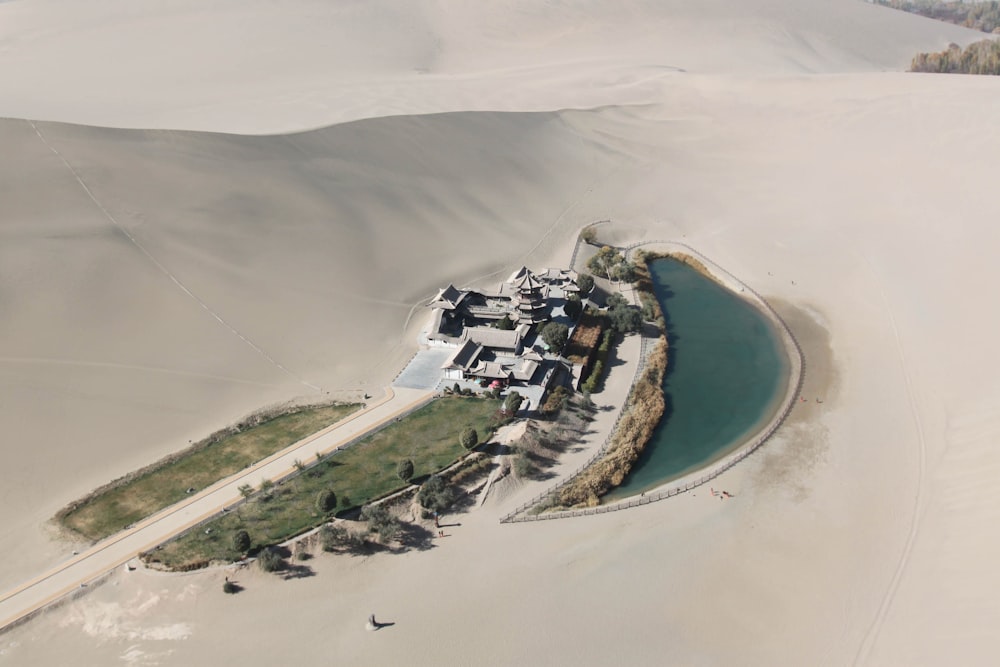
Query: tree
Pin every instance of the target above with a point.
(611, 264)
(246, 491)
(555, 334)
(380, 521)
(573, 306)
(624, 272)
(589, 235)
(604, 260)
(326, 501)
(266, 485)
(585, 282)
(616, 300)
(512, 403)
(404, 470)
(435, 494)
(625, 319)
(505, 323)
(241, 541)
(469, 437)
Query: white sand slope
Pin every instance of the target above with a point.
(156, 284)
(267, 67)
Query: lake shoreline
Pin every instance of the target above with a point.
(773, 416)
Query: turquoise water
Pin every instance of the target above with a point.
(725, 376)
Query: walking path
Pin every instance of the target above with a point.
(89, 566)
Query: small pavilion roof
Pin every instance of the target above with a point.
(464, 357)
(491, 370)
(526, 370)
(448, 298)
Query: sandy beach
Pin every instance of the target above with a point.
(189, 233)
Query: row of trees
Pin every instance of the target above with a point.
(983, 16)
(977, 58)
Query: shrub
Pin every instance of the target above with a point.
(326, 501)
(271, 561)
(512, 403)
(404, 470)
(594, 379)
(585, 282)
(230, 588)
(625, 319)
(380, 521)
(617, 300)
(435, 494)
(335, 537)
(523, 467)
(555, 401)
(469, 437)
(573, 307)
(555, 334)
(241, 541)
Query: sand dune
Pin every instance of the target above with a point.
(261, 67)
(207, 274)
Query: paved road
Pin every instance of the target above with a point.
(119, 549)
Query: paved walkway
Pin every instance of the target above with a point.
(424, 370)
(115, 551)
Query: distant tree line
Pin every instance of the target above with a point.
(983, 16)
(977, 58)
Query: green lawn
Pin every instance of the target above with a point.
(357, 475)
(109, 510)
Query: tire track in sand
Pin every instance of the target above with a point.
(107, 214)
(871, 637)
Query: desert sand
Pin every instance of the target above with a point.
(218, 206)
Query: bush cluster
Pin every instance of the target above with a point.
(271, 561)
(555, 401)
(983, 16)
(597, 372)
(381, 522)
(978, 58)
(643, 412)
(435, 495)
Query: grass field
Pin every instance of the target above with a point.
(141, 494)
(357, 475)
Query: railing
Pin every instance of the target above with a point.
(513, 516)
(798, 364)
